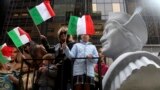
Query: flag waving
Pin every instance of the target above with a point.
(41, 12)
(5, 53)
(83, 25)
(19, 36)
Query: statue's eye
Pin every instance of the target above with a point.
(108, 28)
(105, 31)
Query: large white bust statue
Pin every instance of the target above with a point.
(123, 39)
(123, 33)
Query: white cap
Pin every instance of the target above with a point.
(134, 24)
(137, 26)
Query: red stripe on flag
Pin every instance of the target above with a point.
(7, 51)
(48, 6)
(89, 25)
(22, 32)
(47, 0)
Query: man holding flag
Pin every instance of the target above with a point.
(19, 38)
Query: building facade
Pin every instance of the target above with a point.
(17, 15)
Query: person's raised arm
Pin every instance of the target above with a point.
(46, 44)
(70, 53)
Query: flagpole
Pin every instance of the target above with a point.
(77, 38)
(36, 27)
(17, 46)
(21, 69)
(38, 30)
(20, 76)
(21, 63)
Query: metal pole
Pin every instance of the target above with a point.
(99, 74)
(20, 75)
(27, 78)
(85, 6)
(125, 4)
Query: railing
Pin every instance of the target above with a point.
(35, 68)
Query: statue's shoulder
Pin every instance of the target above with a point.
(124, 65)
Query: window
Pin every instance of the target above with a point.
(24, 14)
(94, 7)
(15, 15)
(116, 7)
(64, 8)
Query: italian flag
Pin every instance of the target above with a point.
(19, 36)
(81, 25)
(41, 12)
(5, 53)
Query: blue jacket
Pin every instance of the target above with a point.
(83, 66)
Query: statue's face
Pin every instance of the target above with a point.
(113, 40)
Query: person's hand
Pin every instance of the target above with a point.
(43, 69)
(13, 79)
(89, 56)
(42, 37)
(7, 66)
(54, 67)
(58, 64)
(23, 56)
(64, 45)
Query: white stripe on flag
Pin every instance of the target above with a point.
(43, 11)
(24, 39)
(81, 26)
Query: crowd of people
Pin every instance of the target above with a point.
(68, 65)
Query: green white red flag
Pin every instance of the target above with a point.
(5, 53)
(19, 36)
(42, 12)
(81, 25)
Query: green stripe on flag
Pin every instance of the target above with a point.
(72, 27)
(35, 16)
(15, 38)
(3, 60)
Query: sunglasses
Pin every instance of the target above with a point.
(63, 33)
